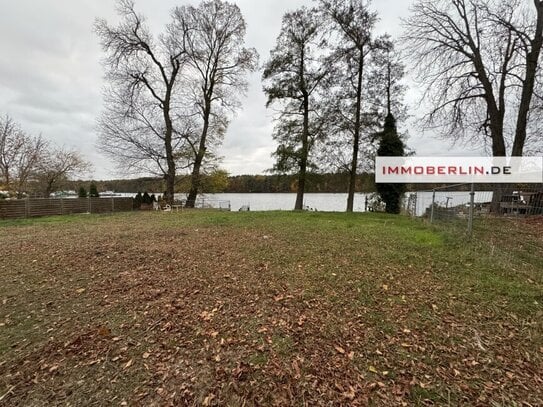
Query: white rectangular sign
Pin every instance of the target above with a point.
(459, 170)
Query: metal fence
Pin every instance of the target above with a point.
(205, 203)
(212, 204)
(462, 204)
(32, 207)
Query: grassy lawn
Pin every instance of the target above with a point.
(273, 308)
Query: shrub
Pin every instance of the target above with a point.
(138, 199)
(147, 199)
(93, 191)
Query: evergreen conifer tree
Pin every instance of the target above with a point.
(93, 191)
(82, 192)
(391, 145)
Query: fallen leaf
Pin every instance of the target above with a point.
(297, 371)
(351, 394)
(104, 331)
(340, 349)
(208, 400)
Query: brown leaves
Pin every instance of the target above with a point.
(220, 316)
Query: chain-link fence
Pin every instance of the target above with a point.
(463, 204)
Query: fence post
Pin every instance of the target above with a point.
(89, 206)
(471, 208)
(26, 207)
(432, 207)
(61, 206)
(112, 204)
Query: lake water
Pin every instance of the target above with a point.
(334, 202)
(338, 202)
(285, 201)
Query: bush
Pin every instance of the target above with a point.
(82, 192)
(93, 191)
(147, 199)
(138, 199)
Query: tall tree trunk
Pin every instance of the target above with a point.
(532, 59)
(299, 205)
(498, 150)
(170, 173)
(356, 135)
(8, 181)
(49, 189)
(195, 176)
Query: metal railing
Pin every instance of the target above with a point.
(462, 204)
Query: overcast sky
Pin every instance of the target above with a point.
(51, 77)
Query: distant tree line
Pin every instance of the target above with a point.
(275, 183)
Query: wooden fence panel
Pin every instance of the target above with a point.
(100, 205)
(123, 205)
(80, 205)
(24, 208)
(43, 207)
(12, 209)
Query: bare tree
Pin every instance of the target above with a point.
(19, 155)
(293, 78)
(58, 165)
(146, 125)
(479, 61)
(218, 63)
